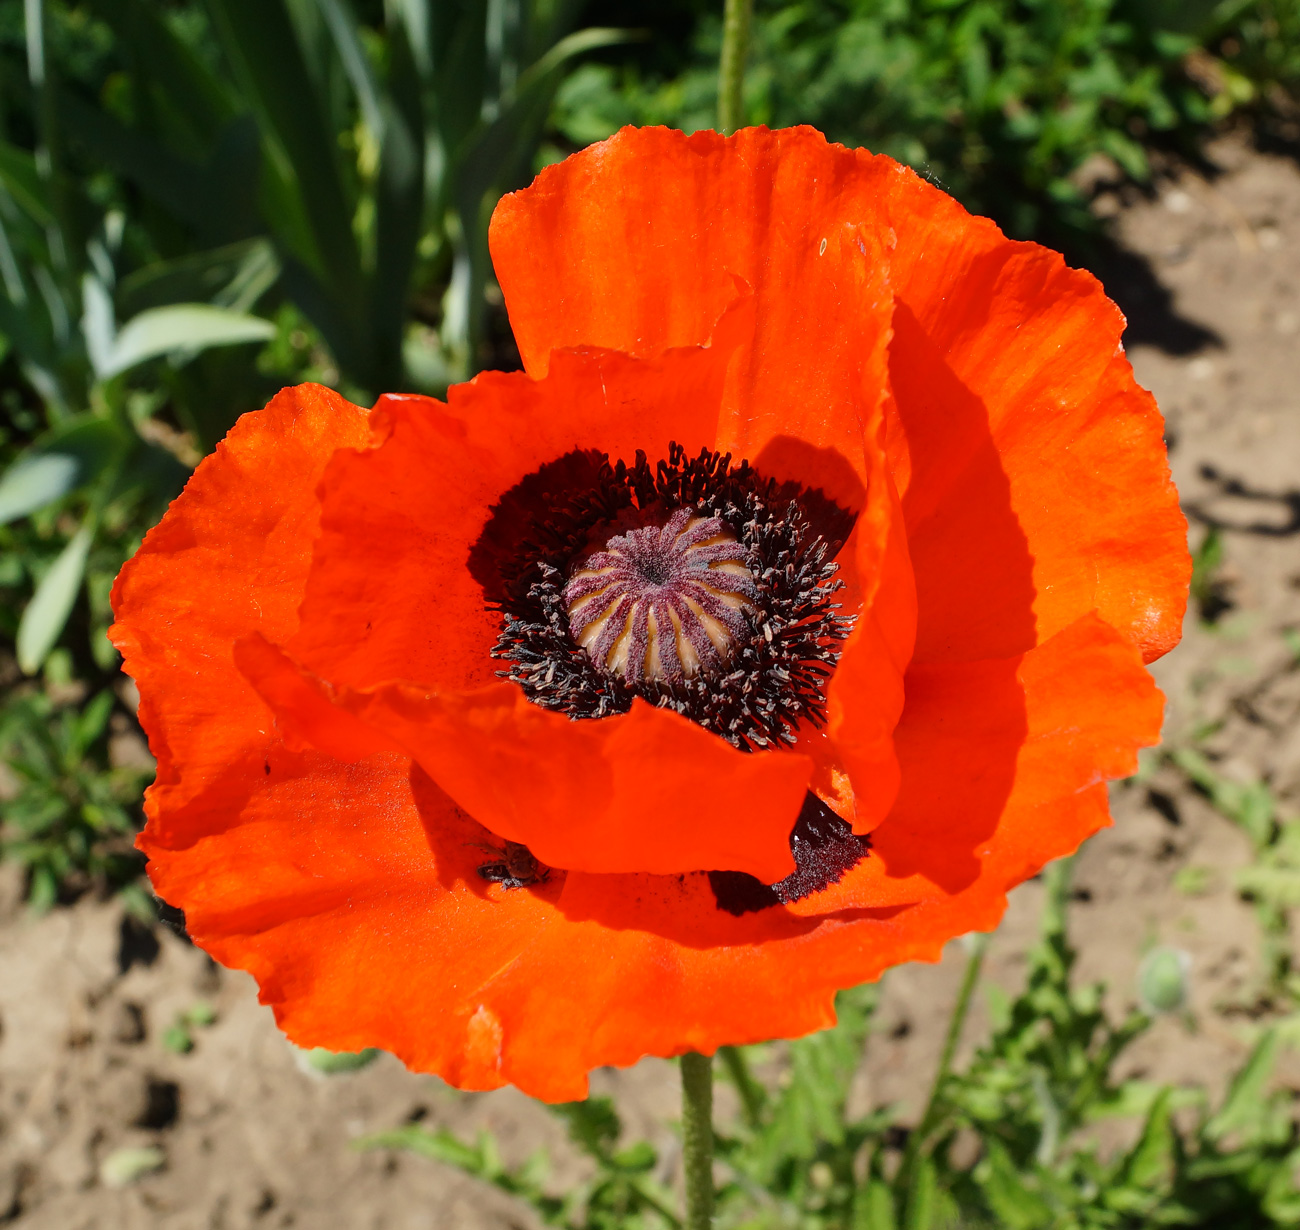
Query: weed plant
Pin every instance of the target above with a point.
(71, 816)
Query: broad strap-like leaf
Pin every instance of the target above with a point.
(182, 326)
(260, 43)
(46, 614)
(34, 481)
(232, 276)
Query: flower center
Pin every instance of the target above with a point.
(663, 602)
(694, 584)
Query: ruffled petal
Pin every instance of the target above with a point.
(857, 765)
(390, 600)
(352, 893)
(648, 790)
(583, 260)
(579, 262)
(398, 590)
(1013, 739)
(1030, 465)
(230, 556)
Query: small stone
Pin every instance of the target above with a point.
(124, 1166)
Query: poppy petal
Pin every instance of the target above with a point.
(1030, 465)
(648, 790)
(230, 556)
(390, 601)
(1012, 741)
(332, 899)
(580, 261)
(396, 592)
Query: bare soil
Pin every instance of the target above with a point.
(1209, 272)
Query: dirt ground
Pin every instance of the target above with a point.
(1209, 272)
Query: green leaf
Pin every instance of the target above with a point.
(46, 614)
(1280, 886)
(1150, 1164)
(89, 725)
(399, 211)
(34, 481)
(183, 326)
(176, 183)
(441, 1146)
(1249, 804)
(197, 102)
(873, 1207)
(810, 1109)
(593, 1124)
(331, 1063)
(922, 1199)
(178, 1039)
(1242, 1109)
(18, 173)
(93, 441)
(260, 42)
(98, 322)
(342, 23)
(233, 276)
(1015, 1205)
(201, 1013)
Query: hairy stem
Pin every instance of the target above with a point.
(697, 1139)
(731, 72)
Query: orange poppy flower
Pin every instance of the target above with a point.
(788, 609)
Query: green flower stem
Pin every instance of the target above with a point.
(697, 1139)
(731, 72)
(919, 1137)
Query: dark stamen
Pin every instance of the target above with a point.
(703, 588)
(824, 848)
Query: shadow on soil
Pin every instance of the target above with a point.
(1130, 280)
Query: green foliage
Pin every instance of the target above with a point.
(1209, 592)
(1001, 101)
(1271, 881)
(365, 158)
(623, 1195)
(1262, 54)
(71, 818)
(334, 1063)
(178, 1037)
(1004, 1142)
